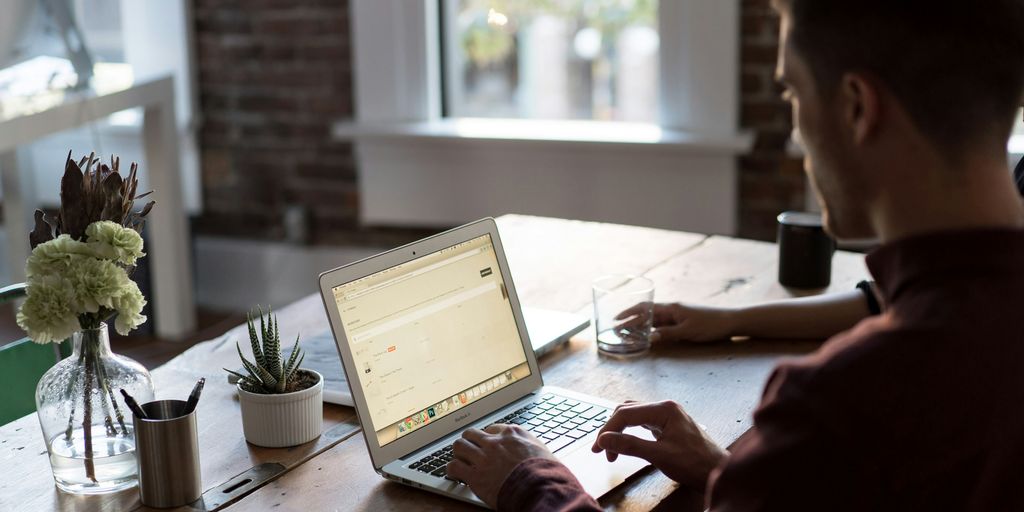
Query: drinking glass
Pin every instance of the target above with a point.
(623, 313)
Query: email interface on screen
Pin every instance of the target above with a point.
(430, 336)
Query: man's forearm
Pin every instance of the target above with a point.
(819, 316)
(544, 485)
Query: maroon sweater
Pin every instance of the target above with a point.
(920, 408)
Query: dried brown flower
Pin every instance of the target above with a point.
(95, 194)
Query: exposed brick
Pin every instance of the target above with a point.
(752, 83)
(761, 115)
(273, 75)
(770, 181)
(759, 53)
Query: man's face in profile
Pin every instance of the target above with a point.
(830, 164)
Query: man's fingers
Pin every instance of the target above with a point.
(468, 452)
(627, 403)
(497, 428)
(669, 314)
(476, 436)
(670, 333)
(459, 470)
(681, 332)
(630, 415)
(633, 321)
(625, 444)
(636, 414)
(632, 311)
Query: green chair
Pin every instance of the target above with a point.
(22, 363)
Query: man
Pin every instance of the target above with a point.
(904, 108)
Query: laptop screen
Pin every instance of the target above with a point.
(430, 336)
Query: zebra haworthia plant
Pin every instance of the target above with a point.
(281, 403)
(268, 373)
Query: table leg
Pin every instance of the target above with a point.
(18, 200)
(169, 249)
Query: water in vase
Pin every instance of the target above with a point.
(113, 461)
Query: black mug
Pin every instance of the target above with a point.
(805, 251)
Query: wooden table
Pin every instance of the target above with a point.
(552, 262)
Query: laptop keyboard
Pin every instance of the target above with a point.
(555, 420)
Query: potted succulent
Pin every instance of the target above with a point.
(282, 403)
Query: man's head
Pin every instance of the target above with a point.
(875, 84)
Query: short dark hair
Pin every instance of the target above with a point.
(957, 67)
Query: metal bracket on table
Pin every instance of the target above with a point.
(238, 486)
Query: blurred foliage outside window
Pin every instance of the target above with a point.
(552, 59)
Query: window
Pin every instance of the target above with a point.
(423, 162)
(551, 59)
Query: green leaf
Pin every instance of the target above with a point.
(259, 373)
(254, 340)
(272, 349)
(297, 366)
(251, 388)
(266, 379)
(238, 348)
(236, 374)
(294, 356)
(248, 383)
(277, 340)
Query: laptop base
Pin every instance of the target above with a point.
(595, 473)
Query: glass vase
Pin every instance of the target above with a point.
(86, 425)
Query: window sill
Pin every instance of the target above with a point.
(626, 136)
(1014, 149)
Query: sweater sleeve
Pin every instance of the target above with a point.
(789, 460)
(543, 485)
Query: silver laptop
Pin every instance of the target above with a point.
(433, 341)
(549, 329)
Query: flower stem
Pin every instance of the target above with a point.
(90, 468)
(110, 395)
(71, 417)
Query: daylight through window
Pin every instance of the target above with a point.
(552, 59)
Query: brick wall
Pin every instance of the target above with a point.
(770, 181)
(274, 74)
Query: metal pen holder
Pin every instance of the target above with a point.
(167, 453)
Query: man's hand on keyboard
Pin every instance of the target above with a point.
(681, 450)
(485, 458)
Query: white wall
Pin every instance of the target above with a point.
(448, 183)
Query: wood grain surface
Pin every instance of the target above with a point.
(553, 262)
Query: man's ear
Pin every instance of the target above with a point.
(861, 107)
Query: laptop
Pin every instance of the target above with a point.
(433, 341)
(548, 330)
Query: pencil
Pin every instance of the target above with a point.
(133, 405)
(193, 398)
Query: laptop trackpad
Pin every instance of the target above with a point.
(593, 470)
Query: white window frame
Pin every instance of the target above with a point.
(418, 168)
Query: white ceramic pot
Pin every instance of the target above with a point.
(288, 419)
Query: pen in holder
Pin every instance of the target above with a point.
(167, 451)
